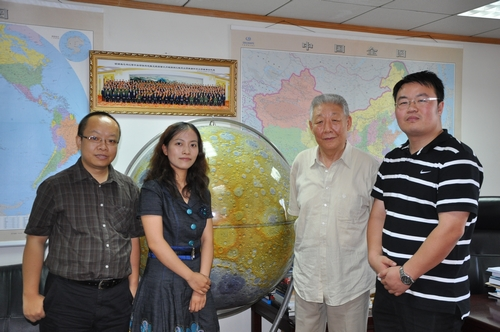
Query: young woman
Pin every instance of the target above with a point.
(175, 208)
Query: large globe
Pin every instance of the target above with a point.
(249, 183)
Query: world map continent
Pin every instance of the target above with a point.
(23, 67)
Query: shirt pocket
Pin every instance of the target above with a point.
(352, 217)
(352, 207)
(122, 219)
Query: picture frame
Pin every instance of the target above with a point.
(134, 83)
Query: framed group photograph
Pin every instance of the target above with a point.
(162, 85)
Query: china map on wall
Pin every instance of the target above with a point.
(44, 94)
(277, 88)
(280, 73)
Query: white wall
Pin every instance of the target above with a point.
(139, 31)
(142, 31)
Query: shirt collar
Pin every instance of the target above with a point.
(443, 136)
(346, 156)
(80, 173)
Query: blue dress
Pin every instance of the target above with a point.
(162, 300)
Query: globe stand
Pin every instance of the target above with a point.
(284, 306)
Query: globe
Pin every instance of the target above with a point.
(249, 184)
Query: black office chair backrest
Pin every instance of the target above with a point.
(485, 244)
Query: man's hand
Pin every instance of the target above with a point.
(381, 263)
(33, 307)
(392, 281)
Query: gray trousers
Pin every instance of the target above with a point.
(348, 317)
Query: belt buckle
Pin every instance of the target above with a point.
(192, 254)
(102, 284)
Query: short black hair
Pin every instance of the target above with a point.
(426, 78)
(83, 123)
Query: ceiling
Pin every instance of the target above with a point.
(432, 18)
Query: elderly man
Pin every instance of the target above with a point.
(330, 187)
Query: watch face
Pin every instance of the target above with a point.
(406, 280)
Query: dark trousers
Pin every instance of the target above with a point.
(70, 306)
(391, 316)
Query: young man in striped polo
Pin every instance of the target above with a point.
(425, 208)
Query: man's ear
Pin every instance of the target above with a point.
(78, 140)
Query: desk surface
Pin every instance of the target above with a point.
(484, 314)
(484, 317)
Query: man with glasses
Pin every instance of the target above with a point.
(425, 208)
(88, 214)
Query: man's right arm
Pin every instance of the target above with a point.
(32, 269)
(377, 260)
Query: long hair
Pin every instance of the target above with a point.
(160, 168)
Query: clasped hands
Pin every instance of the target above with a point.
(388, 274)
(200, 284)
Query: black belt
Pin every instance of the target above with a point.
(99, 284)
(184, 253)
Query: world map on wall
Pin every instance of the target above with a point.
(277, 88)
(43, 100)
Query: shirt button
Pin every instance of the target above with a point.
(103, 225)
(191, 243)
(107, 266)
(102, 204)
(326, 205)
(107, 245)
(193, 226)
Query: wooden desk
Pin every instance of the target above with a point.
(263, 310)
(484, 317)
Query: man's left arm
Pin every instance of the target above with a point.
(135, 258)
(434, 250)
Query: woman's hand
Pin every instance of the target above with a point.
(197, 302)
(199, 283)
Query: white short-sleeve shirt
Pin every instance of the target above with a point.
(333, 205)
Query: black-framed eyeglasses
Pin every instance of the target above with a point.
(404, 104)
(98, 140)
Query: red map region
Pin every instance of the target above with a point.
(289, 107)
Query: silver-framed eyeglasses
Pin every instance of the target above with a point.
(98, 140)
(404, 104)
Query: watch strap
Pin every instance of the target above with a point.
(405, 278)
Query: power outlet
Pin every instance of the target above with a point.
(4, 13)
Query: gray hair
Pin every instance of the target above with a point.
(328, 98)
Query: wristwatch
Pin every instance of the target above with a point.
(405, 279)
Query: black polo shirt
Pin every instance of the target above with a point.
(443, 176)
